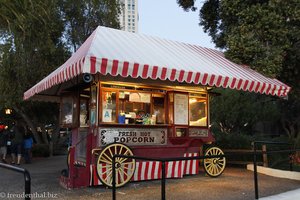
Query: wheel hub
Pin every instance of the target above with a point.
(117, 165)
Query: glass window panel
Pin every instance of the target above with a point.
(197, 112)
(109, 106)
(93, 105)
(83, 116)
(170, 104)
(135, 106)
(80, 147)
(159, 108)
(67, 110)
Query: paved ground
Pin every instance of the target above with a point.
(290, 195)
(234, 184)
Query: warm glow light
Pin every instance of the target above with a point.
(193, 100)
(8, 111)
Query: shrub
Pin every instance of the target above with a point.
(233, 141)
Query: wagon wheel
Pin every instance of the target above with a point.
(214, 167)
(124, 166)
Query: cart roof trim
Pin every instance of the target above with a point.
(118, 53)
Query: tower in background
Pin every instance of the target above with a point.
(129, 15)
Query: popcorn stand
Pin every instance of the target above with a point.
(132, 94)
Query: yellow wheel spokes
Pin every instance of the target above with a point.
(124, 166)
(107, 157)
(214, 166)
(123, 172)
(120, 153)
(111, 153)
(105, 161)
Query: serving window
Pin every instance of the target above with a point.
(132, 105)
(128, 104)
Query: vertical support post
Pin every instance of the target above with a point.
(113, 178)
(163, 180)
(265, 155)
(255, 171)
(291, 161)
(292, 156)
(27, 185)
(72, 172)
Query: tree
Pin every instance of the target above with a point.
(239, 111)
(263, 34)
(36, 37)
(254, 32)
(31, 34)
(82, 18)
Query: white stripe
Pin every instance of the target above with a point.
(130, 69)
(194, 165)
(169, 73)
(188, 166)
(170, 168)
(130, 170)
(150, 170)
(98, 64)
(143, 170)
(156, 170)
(136, 172)
(182, 167)
(109, 67)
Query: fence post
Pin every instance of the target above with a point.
(71, 166)
(163, 180)
(113, 177)
(265, 156)
(255, 171)
(27, 185)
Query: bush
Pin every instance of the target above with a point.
(233, 141)
(40, 150)
(279, 160)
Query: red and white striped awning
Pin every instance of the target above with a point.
(115, 52)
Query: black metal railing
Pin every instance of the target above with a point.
(27, 178)
(163, 172)
(255, 153)
(164, 160)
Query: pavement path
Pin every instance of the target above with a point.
(290, 195)
(233, 184)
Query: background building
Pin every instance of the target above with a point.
(129, 15)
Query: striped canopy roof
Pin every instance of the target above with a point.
(115, 52)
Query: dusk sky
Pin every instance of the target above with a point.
(165, 19)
